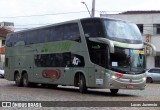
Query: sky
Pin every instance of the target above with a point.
(27, 14)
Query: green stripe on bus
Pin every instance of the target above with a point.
(57, 46)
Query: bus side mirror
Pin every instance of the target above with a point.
(152, 46)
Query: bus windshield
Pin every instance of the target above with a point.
(122, 31)
(127, 60)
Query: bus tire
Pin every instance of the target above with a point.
(114, 91)
(18, 80)
(25, 81)
(82, 84)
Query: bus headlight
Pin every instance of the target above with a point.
(117, 75)
(113, 77)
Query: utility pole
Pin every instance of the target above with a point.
(93, 8)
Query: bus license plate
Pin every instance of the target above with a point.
(130, 86)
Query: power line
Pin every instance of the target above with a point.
(59, 14)
(43, 14)
(34, 24)
(52, 14)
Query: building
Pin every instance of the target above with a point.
(7, 25)
(5, 28)
(149, 25)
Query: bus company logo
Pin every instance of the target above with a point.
(76, 61)
(54, 74)
(6, 104)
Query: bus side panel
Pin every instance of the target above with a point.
(26, 65)
(9, 70)
(91, 77)
(48, 75)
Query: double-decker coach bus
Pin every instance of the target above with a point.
(86, 53)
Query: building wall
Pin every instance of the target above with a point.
(148, 21)
(5, 27)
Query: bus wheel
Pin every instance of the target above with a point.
(114, 91)
(82, 84)
(18, 80)
(25, 80)
(149, 80)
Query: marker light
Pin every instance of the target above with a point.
(119, 75)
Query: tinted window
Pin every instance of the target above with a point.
(93, 28)
(9, 40)
(59, 60)
(119, 31)
(49, 34)
(157, 61)
(64, 32)
(154, 71)
(59, 32)
(98, 53)
(32, 37)
(42, 35)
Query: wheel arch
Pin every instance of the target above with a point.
(19, 72)
(23, 72)
(16, 72)
(77, 77)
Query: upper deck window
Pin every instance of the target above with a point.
(115, 30)
(93, 28)
(68, 31)
(122, 31)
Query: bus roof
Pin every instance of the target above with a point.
(56, 24)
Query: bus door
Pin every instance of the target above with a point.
(67, 68)
(74, 64)
(67, 75)
(99, 56)
(100, 63)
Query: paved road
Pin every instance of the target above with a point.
(10, 92)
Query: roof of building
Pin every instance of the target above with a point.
(141, 12)
(4, 32)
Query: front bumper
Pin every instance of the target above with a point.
(120, 83)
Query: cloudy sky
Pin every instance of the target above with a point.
(31, 13)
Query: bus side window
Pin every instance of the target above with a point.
(93, 28)
(71, 32)
(52, 35)
(75, 33)
(67, 59)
